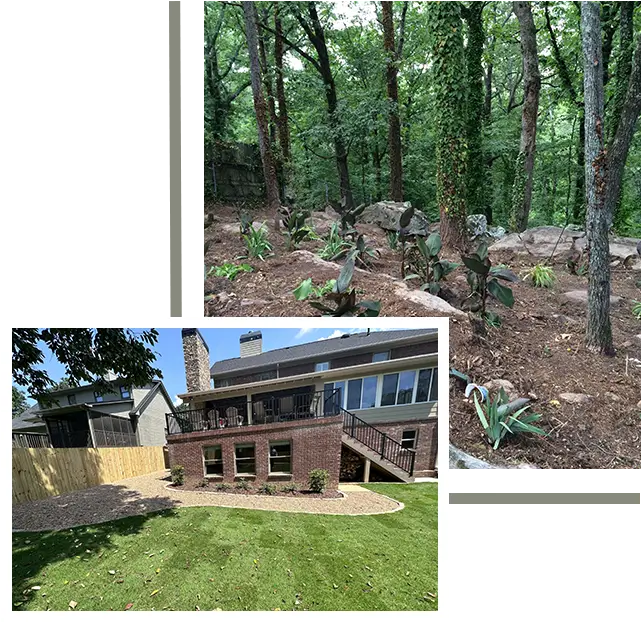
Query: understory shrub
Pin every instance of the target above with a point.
(318, 480)
(223, 486)
(203, 483)
(243, 484)
(289, 487)
(267, 489)
(393, 239)
(178, 475)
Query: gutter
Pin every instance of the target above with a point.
(341, 373)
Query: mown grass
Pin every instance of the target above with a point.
(225, 559)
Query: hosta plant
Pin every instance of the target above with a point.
(229, 270)
(423, 260)
(483, 280)
(500, 417)
(341, 301)
(541, 276)
(256, 242)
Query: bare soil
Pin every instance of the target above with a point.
(539, 347)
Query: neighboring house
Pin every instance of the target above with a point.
(29, 430)
(81, 417)
(361, 403)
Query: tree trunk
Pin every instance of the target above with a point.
(578, 209)
(522, 191)
(598, 335)
(376, 161)
(394, 132)
(260, 108)
(448, 57)
(475, 109)
(619, 146)
(282, 119)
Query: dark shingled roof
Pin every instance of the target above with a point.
(346, 343)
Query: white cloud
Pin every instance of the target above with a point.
(177, 401)
(351, 331)
(304, 331)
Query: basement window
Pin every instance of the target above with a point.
(280, 457)
(213, 458)
(409, 439)
(245, 459)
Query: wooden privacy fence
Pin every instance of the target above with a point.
(40, 473)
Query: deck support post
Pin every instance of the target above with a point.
(368, 464)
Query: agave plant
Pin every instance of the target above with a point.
(343, 298)
(483, 279)
(503, 417)
(423, 259)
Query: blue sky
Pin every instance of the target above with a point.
(223, 344)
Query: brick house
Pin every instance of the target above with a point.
(361, 406)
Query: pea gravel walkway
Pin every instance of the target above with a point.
(149, 493)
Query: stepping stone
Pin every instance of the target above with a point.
(574, 398)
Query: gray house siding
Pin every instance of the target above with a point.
(152, 422)
(404, 412)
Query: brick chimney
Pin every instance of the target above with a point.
(196, 355)
(251, 344)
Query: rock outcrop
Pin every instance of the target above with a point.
(386, 215)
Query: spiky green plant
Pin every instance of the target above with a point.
(229, 270)
(256, 242)
(335, 246)
(393, 238)
(636, 309)
(362, 254)
(501, 417)
(541, 276)
(306, 289)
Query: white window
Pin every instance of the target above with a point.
(245, 459)
(322, 366)
(379, 357)
(213, 457)
(280, 457)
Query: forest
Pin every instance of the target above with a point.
(473, 159)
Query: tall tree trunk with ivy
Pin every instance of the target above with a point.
(391, 75)
(476, 200)
(448, 56)
(260, 108)
(598, 335)
(523, 182)
(282, 119)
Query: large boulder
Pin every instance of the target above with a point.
(386, 215)
(540, 242)
(476, 225)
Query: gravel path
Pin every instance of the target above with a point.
(149, 493)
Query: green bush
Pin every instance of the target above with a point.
(318, 480)
(267, 489)
(223, 486)
(290, 487)
(203, 483)
(177, 475)
(243, 484)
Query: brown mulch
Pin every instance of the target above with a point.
(197, 485)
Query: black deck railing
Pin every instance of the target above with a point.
(379, 442)
(279, 409)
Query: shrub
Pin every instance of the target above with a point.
(307, 289)
(223, 486)
(483, 279)
(178, 475)
(541, 276)
(423, 260)
(257, 243)
(343, 298)
(203, 483)
(267, 489)
(290, 487)
(243, 484)
(229, 270)
(318, 480)
(499, 418)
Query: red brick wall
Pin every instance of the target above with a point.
(426, 446)
(316, 444)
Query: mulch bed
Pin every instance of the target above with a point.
(196, 486)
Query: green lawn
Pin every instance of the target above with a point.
(220, 558)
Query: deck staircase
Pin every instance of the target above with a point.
(374, 445)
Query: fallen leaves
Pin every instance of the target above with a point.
(73, 604)
(128, 606)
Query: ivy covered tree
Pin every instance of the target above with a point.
(88, 355)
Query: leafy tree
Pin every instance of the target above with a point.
(18, 402)
(87, 354)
